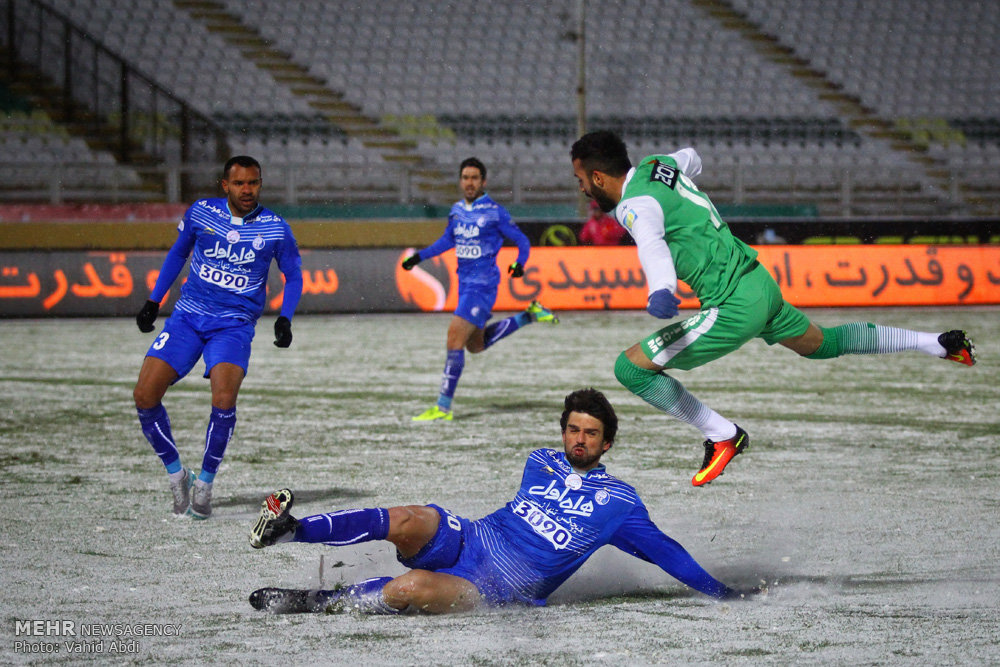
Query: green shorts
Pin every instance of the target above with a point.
(755, 309)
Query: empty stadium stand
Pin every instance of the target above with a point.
(885, 108)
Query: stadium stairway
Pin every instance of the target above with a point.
(939, 190)
(40, 93)
(373, 133)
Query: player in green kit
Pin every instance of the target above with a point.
(679, 235)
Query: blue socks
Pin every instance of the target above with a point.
(453, 366)
(220, 429)
(156, 427)
(455, 361)
(366, 596)
(344, 527)
(352, 527)
(503, 328)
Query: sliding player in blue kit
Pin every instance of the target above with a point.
(234, 239)
(477, 226)
(567, 507)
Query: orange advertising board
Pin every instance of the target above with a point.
(890, 275)
(73, 283)
(575, 278)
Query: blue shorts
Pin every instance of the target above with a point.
(475, 304)
(186, 337)
(457, 549)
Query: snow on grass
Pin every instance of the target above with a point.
(867, 501)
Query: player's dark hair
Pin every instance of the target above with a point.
(602, 151)
(473, 162)
(244, 161)
(592, 402)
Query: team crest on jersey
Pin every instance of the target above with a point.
(664, 173)
(602, 497)
(258, 243)
(233, 236)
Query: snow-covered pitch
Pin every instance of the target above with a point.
(867, 502)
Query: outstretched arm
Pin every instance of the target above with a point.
(640, 537)
(443, 244)
(446, 242)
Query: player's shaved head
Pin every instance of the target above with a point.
(594, 403)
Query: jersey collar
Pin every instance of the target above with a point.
(598, 468)
(469, 206)
(628, 179)
(249, 217)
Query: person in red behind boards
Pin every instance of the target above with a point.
(601, 228)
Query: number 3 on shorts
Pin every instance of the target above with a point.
(161, 340)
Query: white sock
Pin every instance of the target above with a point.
(928, 344)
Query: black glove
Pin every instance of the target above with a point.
(147, 316)
(282, 332)
(411, 261)
(515, 270)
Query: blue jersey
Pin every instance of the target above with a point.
(476, 231)
(232, 256)
(559, 518)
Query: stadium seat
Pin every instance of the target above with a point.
(512, 96)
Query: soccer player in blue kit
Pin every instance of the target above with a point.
(477, 226)
(566, 508)
(234, 239)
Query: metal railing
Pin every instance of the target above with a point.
(100, 94)
(168, 151)
(832, 191)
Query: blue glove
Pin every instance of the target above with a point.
(662, 304)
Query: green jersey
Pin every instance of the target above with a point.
(677, 230)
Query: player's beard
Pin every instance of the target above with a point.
(584, 461)
(602, 198)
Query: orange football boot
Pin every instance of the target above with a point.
(718, 455)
